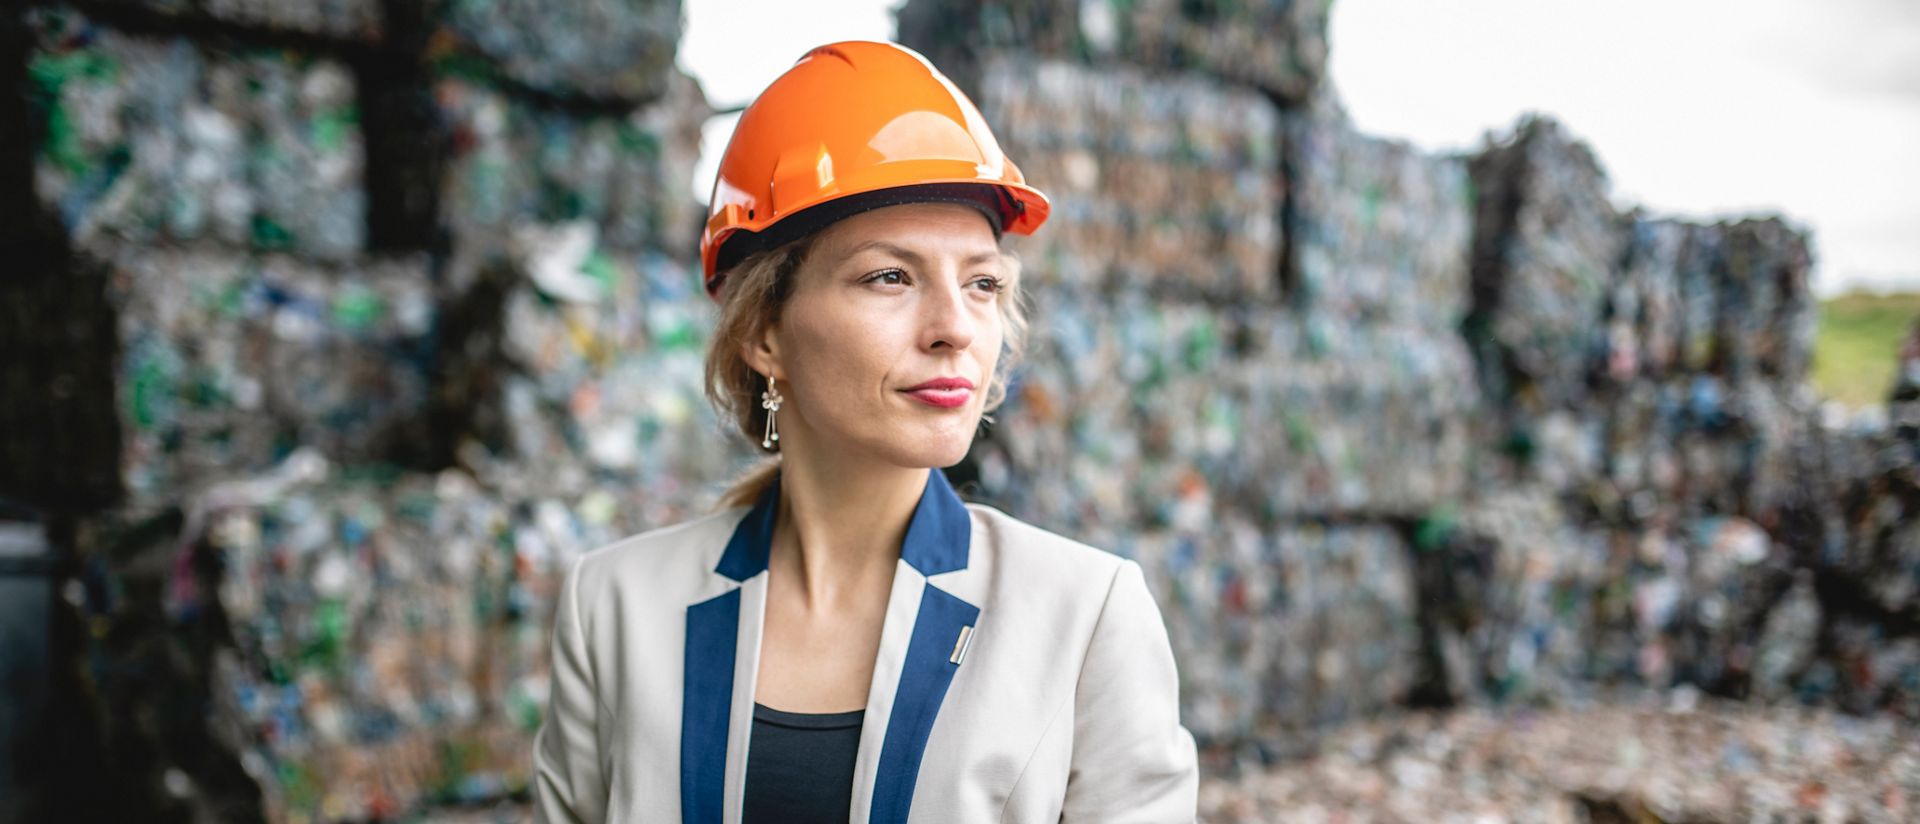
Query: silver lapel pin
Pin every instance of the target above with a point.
(960, 645)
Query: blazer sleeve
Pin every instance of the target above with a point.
(568, 783)
(1133, 761)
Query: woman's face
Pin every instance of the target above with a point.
(888, 300)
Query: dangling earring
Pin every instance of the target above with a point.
(770, 400)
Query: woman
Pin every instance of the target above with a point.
(890, 653)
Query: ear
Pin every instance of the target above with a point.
(762, 352)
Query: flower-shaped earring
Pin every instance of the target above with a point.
(770, 400)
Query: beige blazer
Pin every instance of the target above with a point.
(1021, 677)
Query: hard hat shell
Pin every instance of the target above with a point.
(855, 124)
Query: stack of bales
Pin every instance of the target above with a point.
(1645, 382)
(1608, 342)
(399, 316)
(1244, 372)
(1861, 501)
(1525, 446)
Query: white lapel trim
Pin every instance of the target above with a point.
(746, 666)
(903, 605)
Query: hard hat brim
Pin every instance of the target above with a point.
(1007, 208)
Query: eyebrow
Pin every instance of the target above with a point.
(911, 256)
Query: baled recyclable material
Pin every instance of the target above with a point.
(230, 360)
(600, 49)
(1278, 47)
(605, 388)
(515, 162)
(158, 140)
(359, 20)
(1284, 632)
(1127, 406)
(1546, 244)
(1377, 231)
(390, 632)
(1168, 184)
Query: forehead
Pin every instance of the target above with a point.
(932, 230)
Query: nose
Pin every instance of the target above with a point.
(947, 317)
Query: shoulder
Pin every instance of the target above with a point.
(678, 555)
(1027, 555)
(1022, 542)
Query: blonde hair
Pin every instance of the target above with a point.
(752, 296)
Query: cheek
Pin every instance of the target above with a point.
(992, 337)
(839, 357)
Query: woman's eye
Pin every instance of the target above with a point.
(883, 276)
(994, 285)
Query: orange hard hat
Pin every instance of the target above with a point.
(854, 126)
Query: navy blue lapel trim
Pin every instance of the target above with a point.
(746, 554)
(937, 538)
(706, 703)
(941, 530)
(924, 678)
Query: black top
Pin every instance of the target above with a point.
(800, 766)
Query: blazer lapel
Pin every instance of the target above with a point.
(922, 644)
(920, 651)
(722, 661)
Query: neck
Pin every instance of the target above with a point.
(840, 527)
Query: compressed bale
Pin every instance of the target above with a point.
(1126, 408)
(1362, 418)
(1641, 430)
(514, 161)
(389, 633)
(1376, 230)
(1283, 633)
(1684, 603)
(1511, 577)
(1537, 608)
(355, 20)
(344, 18)
(228, 361)
(155, 140)
(1695, 444)
(1547, 243)
(1695, 416)
(1277, 46)
(1731, 298)
(602, 49)
(1354, 589)
(1163, 183)
(1189, 575)
(1111, 424)
(1861, 501)
(389, 629)
(1660, 310)
(1766, 313)
(606, 382)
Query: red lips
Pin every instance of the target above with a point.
(942, 383)
(946, 393)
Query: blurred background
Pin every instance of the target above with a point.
(1474, 483)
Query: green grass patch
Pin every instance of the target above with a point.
(1857, 345)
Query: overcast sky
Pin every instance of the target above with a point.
(1700, 109)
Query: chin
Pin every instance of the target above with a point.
(935, 449)
(915, 443)
(934, 455)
